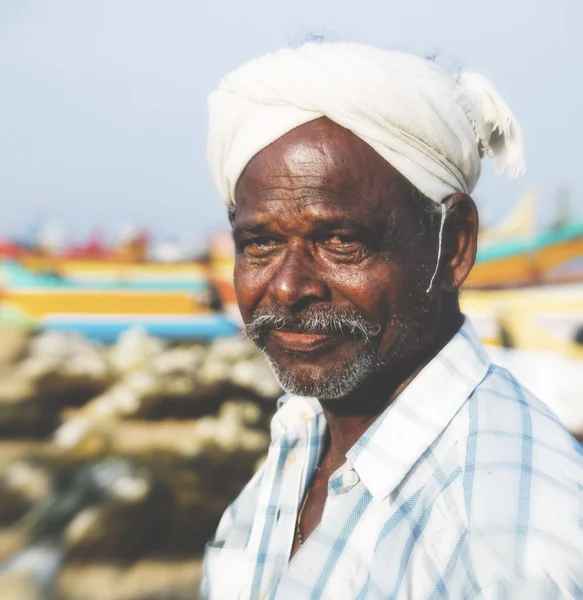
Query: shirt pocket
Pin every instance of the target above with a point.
(224, 571)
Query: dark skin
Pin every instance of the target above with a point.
(322, 218)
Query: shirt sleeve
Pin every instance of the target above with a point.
(236, 522)
(234, 527)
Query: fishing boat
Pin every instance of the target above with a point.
(221, 256)
(40, 294)
(545, 318)
(42, 302)
(526, 289)
(102, 309)
(191, 277)
(107, 328)
(516, 254)
(527, 261)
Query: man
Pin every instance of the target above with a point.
(403, 463)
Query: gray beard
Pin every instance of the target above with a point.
(338, 382)
(345, 378)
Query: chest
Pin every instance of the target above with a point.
(355, 544)
(312, 507)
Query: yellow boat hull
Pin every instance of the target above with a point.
(535, 318)
(524, 269)
(116, 271)
(37, 304)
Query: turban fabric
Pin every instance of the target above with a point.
(434, 128)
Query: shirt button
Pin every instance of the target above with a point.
(350, 478)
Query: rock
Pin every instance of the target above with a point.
(245, 412)
(119, 492)
(23, 411)
(15, 389)
(101, 508)
(13, 504)
(142, 468)
(59, 345)
(12, 540)
(28, 574)
(83, 438)
(30, 478)
(68, 352)
(134, 349)
(236, 363)
(144, 580)
(22, 485)
(34, 392)
(255, 376)
(65, 368)
(162, 498)
(231, 350)
(20, 586)
(13, 344)
(229, 431)
(185, 360)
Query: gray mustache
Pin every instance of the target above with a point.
(343, 321)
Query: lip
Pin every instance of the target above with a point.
(301, 342)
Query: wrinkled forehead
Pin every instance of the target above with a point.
(320, 160)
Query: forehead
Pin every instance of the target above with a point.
(324, 167)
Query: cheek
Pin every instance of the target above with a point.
(251, 284)
(370, 290)
(389, 294)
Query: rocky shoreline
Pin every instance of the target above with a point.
(119, 461)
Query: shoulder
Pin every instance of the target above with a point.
(506, 441)
(516, 449)
(509, 429)
(522, 485)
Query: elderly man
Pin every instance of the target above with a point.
(403, 463)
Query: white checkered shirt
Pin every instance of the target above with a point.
(466, 487)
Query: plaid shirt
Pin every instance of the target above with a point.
(465, 487)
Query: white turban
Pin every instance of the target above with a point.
(432, 127)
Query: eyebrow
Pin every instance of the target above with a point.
(320, 225)
(259, 227)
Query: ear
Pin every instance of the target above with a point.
(460, 241)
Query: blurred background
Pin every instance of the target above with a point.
(131, 409)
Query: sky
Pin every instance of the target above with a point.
(103, 103)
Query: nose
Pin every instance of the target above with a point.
(298, 280)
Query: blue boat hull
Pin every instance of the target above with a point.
(106, 329)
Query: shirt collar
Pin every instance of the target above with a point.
(293, 412)
(387, 451)
(397, 439)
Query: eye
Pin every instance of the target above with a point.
(342, 244)
(259, 247)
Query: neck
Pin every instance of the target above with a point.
(348, 418)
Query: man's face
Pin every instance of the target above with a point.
(332, 264)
